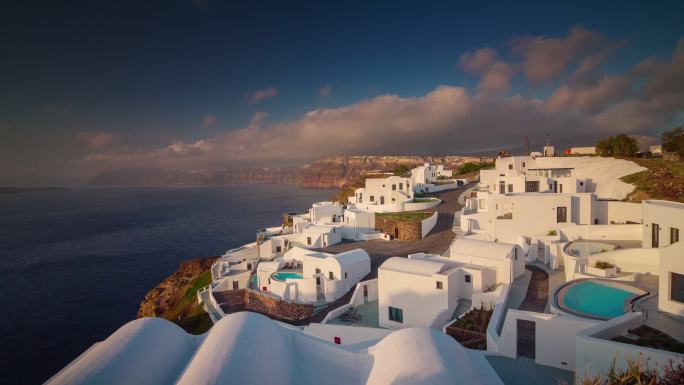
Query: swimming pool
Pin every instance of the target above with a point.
(595, 298)
(587, 248)
(284, 275)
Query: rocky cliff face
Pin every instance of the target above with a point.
(330, 172)
(175, 295)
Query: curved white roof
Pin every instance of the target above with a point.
(478, 248)
(248, 348)
(413, 266)
(352, 256)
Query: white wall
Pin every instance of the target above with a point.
(608, 212)
(415, 294)
(427, 224)
(667, 215)
(348, 334)
(598, 232)
(595, 353)
(671, 261)
(554, 337)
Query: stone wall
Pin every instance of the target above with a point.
(406, 231)
(276, 308)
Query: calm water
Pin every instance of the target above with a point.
(74, 265)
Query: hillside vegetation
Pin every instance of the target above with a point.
(663, 179)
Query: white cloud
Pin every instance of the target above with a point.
(325, 90)
(263, 94)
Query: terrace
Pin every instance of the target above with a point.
(365, 315)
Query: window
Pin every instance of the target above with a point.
(396, 314)
(269, 282)
(372, 198)
(308, 240)
(674, 235)
(249, 266)
(482, 204)
(440, 285)
(561, 214)
(560, 188)
(523, 164)
(278, 249)
(677, 287)
(401, 186)
(502, 187)
(394, 187)
(330, 275)
(345, 275)
(581, 183)
(510, 188)
(318, 271)
(510, 166)
(235, 285)
(467, 278)
(655, 235)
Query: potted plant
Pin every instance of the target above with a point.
(603, 269)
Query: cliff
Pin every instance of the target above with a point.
(331, 172)
(175, 297)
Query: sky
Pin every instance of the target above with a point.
(207, 84)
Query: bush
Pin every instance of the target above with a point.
(603, 265)
(673, 141)
(620, 145)
(638, 373)
(472, 167)
(401, 170)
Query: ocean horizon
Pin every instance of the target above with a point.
(75, 264)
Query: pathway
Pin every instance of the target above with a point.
(535, 300)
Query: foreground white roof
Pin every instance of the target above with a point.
(478, 248)
(248, 348)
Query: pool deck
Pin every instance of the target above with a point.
(523, 371)
(368, 316)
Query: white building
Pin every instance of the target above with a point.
(383, 194)
(233, 270)
(425, 290)
(506, 259)
(309, 276)
(424, 175)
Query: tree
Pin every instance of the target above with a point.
(401, 170)
(620, 145)
(673, 141)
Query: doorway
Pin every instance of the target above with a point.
(526, 338)
(396, 233)
(655, 235)
(365, 293)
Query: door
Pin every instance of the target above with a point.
(396, 233)
(655, 235)
(365, 293)
(382, 200)
(555, 186)
(526, 338)
(235, 285)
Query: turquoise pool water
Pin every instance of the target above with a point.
(283, 275)
(596, 299)
(587, 248)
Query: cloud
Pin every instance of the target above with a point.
(257, 118)
(97, 140)
(478, 61)
(325, 90)
(208, 120)
(546, 58)
(448, 119)
(497, 78)
(263, 94)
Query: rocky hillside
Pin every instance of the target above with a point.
(175, 297)
(330, 172)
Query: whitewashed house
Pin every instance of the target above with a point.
(309, 276)
(383, 194)
(506, 259)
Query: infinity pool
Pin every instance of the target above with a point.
(283, 275)
(597, 299)
(587, 248)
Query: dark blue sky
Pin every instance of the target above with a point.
(156, 69)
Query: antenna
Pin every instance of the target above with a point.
(527, 144)
(547, 138)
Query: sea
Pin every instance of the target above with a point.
(75, 264)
